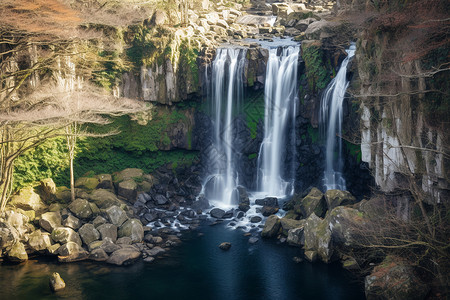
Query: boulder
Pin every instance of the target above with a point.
(88, 233)
(48, 189)
(124, 256)
(271, 227)
(255, 219)
(50, 220)
(155, 251)
(126, 240)
(341, 219)
(133, 229)
(217, 213)
(70, 252)
(269, 210)
(64, 235)
(130, 173)
(19, 222)
(128, 190)
(244, 201)
(63, 194)
(39, 241)
(311, 224)
(88, 183)
(314, 202)
(108, 231)
(105, 181)
(98, 255)
(104, 198)
(318, 29)
(53, 249)
(253, 240)
(201, 203)
(8, 235)
(394, 278)
(318, 237)
(160, 199)
(17, 253)
(288, 224)
(159, 18)
(56, 282)
(295, 237)
(107, 245)
(311, 256)
(99, 220)
(27, 199)
(72, 222)
(116, 215)
(81, 209)
(337, 198)
(268, 201)
(225, 246)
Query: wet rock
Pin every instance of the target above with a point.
(255, 219)
(297, 259)
(50, 220)
(17, 253)
(72, 222)
(295, 237)
(201, 203)
(269, 210)
(70, 252)
(253, 240)
(124, 241)
(149, 259)
(108, 231)
(133, 229)
(288, 224)
(53, 249)
(228, 214)
(81, 209)
(88, 233)
(318, 237)
(160, 199)
(56, 282)
(311, 256)
(124, 256)
(217, 213)
(349, 263)
(64, 235)
(337, 198)
(99, 220)
(268, 201)
(104, 198)
(39, 241)
(314, 202)
(244, 201)
(271, 227)
(225, 246)
(98, 255)
(116, 215)
(155, 251)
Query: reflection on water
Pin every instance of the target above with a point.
(196, 270)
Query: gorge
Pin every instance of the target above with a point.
(307, 139)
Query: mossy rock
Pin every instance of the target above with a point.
(337, 198)
(64, 235)
(288, 224)
(63, 194)
(132, 228)
(17, 253)
(128, 189)
(81, 209)
(28, 199)
(89, 183)
(104, 198)
(314, 202)
(271, 227)
(130, 173)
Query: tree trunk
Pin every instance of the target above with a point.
(72, 180)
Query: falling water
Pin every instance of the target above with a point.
(280, 94)
(226, 93)
(331, 116)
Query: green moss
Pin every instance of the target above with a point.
(316, 67)
(354, 150)
(254, 111)
(313, 133)
(252, 155)
(188, 62)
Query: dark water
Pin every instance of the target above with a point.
(197, 269)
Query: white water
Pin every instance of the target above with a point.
(331, 117)
(226, 91)
(280, 94)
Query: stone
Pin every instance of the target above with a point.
(315, 29)
(130, 173)
(314, 202)
(88, 183)
(268, 201)
(81, 208)
(88, 233)
(64, 235)
(394, 278)
(149, 259)
(98, 255)
(128, 190)
(55, 207)
(269, 210)
(311, 256)
(155, 251)
(71, 252)
(17, 253)
(318, 237)
(126, 240)
(56, 282)
(133, 229)
(99, 220)
(72, 222)
(63, 194)
(288, 224)
(27, 199)
(48, 189)
(349, 263)
(39, 241)
(255, 219)
(53, 249)
(271, 227)
(116, 215)
(337, 198)
(159, 18)
(217, 213)
(225, 246)
(108, 231)
(104, 198)
(160, 199)
(201, 203)
(253, 240)
(8, 235)
(50, 220)
(295, 237)
(311, 224)
(297, 259)
(244, 201)
(124, 256)
(105, 181)
(341, 220)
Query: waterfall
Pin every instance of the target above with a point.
(280, 94)
(331, 117)
(226, 94)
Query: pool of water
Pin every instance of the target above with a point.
(197, 269)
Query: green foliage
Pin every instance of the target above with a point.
(109, 70)
(254, 111)
(188, 58)
(45, 161)
(313, 133)
(316, 68)
(252, 156)
(354, 150)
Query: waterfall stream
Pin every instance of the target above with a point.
(280, 94)
(331, 117)
(226, 93)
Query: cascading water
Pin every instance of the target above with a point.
(331, 117)
(226, 92)
(280, 94)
